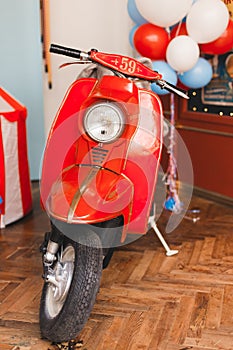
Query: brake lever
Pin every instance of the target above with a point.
(171, 88)
(63, 65)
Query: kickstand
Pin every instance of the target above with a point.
(169, 252)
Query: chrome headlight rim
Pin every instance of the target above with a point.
(119, 121)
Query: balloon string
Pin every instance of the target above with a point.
(171, 175)
(178, 28)
(168, 30)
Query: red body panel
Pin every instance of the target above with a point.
(77, 197)
(86, 182)
(144, 158)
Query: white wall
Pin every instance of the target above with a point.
(100, 24)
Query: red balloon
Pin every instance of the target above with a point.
(222, 44)
(151, 41)
(179, 29)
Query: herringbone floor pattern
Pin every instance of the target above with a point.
(146, 300)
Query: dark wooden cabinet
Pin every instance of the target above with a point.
(209, 139)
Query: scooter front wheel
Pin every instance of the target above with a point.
(67, 299)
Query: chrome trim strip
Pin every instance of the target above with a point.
(80, 192)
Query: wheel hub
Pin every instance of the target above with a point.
(63, 277)
(59, 280)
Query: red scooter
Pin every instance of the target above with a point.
(98, 180)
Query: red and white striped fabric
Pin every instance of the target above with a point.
(15, 186)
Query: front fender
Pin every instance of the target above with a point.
(90, 194)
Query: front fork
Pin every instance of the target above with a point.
(49, 248)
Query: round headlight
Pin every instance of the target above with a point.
(104, 122)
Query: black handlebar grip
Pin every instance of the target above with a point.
(66, 51)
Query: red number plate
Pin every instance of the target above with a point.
(126, 65)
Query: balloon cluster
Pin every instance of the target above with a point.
(174, 34)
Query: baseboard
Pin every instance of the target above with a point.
(213, 196)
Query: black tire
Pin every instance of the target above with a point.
(63, 317)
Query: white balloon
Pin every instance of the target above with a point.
(207, 20)
(182, 53)
(163, 13)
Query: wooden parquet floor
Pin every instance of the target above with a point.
(146, 300)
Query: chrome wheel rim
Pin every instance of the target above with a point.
(57, 290)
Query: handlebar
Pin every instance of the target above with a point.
(127, 66)
(172, 88)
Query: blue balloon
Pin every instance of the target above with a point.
(134, 13)
(199, 76)
(131, 35)
(168, 74)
